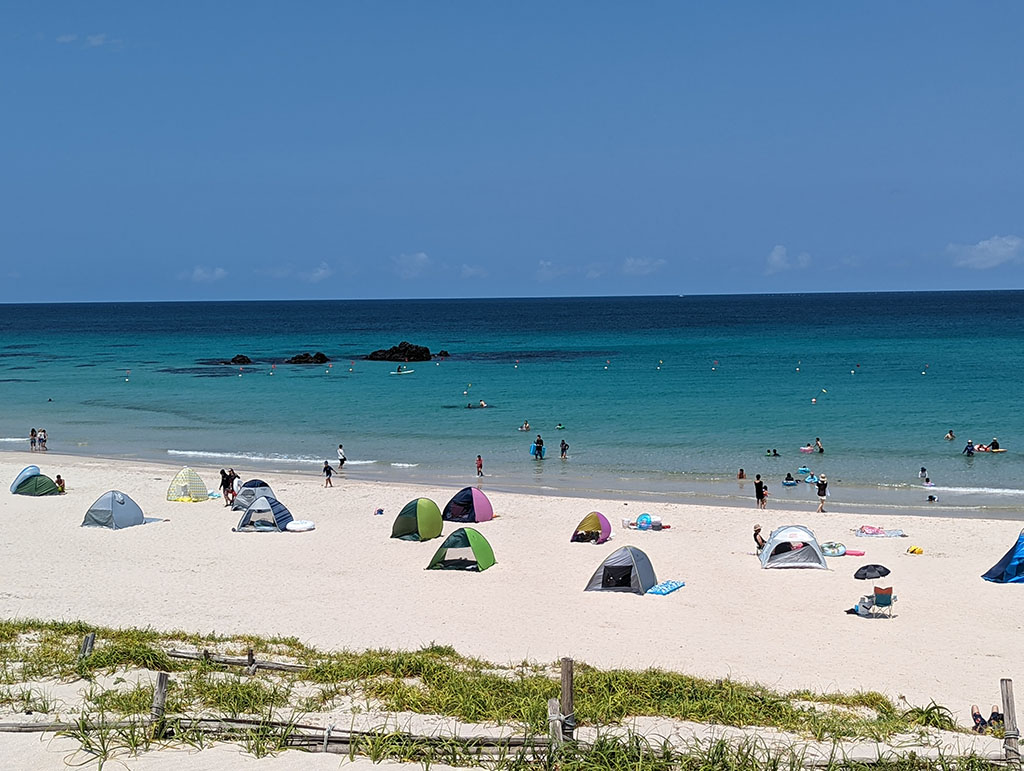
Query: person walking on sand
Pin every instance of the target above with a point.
(479, 466)
(822, 492)
(759, 491)
(225, 487)
(341, 457)
(327, 474)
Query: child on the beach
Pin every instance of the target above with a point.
(479, 466)
(327, 474)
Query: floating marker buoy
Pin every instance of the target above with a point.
(813, 400)
(923, 372)
(851, 371)
(797, 369)
(824, 391)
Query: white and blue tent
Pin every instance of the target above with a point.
(249, 492)
(264, 514)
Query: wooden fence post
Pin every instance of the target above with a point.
(87, 643)
(567, 705)
(156, 713)
(554, 723)
(1011, 737)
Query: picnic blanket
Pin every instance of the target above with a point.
(867, 531)
(666, 587)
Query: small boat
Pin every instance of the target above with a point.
(402, 372)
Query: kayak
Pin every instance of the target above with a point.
(403, 372)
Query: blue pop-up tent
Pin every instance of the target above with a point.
(1010, 569)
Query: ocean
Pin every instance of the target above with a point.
(662, 398)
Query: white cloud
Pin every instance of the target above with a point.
(409, 266)
(988, 253)
(473, 271)
(779, 260)
(95, 41)
(641, 266)
(594, 270)
(67, 38)
(548, 271)
(319, 273)
(201, 274)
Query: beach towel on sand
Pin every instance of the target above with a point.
(867, 531)
(666, 587)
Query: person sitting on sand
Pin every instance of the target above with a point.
(950, 436)
(980, 723)
(60, 484)
(758, 538)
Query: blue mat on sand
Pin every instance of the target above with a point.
(666, 587)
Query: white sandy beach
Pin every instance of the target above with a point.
(348, 585)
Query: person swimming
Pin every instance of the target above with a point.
(789, 477)
(950, 436)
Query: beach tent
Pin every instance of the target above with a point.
(1010, 569)
(25, 473)
(463, 538)
(782, 549)
(187, 486)
(468, 505)
(625, 570)
(593, 527)
(419, 520)
(39, 484)
(264, 514)
(251, 490)
(115, 510)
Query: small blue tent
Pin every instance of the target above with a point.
(1010, 569)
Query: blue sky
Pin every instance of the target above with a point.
(413, 149)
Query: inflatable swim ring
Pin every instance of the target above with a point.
(806, 449)
(643, 522)
(299, 526)
(813, 480)
(833, 549)
(803, 470)
(789, 482)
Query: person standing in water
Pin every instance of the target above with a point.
(564, 447)
(969, 449)
(759, 491)
(539, 447)
(341, 457)
(479, 466)
(817, 444)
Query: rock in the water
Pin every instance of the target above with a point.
(305, 358)
(443, 354)
(404, 351)
(241, 359)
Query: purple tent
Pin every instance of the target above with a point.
(468, 505)
(593, 527)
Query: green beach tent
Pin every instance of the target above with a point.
(40, 484)
(419, 520)
(463, 538)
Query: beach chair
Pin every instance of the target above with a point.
(884, 599)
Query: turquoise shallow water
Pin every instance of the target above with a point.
(666, 395)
